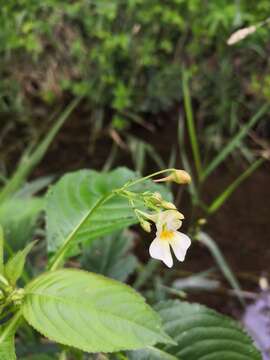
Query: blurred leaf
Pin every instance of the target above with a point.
(15, 265)
(110, 256)
(31, 188)
(7, 348)
(94, 313)
(198, 282)
(145, 273)
(18, 218)
(222, 263)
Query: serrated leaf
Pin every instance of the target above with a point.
(90, 312)
(18, 218)
(204, 334)
(71, 199)
(15, 265)
(7, 348)
(109, 256)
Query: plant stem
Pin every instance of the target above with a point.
(191, 126)
(146, 177)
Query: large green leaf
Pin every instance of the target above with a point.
(18, 218)
(7, 348)
(71, 199)
(90, 312)
(109, 256)
(203, 334)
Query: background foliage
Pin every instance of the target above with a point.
(126, 57)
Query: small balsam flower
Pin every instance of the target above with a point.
(178, 176)
(167, 237)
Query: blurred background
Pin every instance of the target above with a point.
(149, 85)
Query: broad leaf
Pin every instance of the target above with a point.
(15, 265)
(7, 348)
(18, 218)
(203, 334)
(71, 199)
(109, 256)
(90, 312)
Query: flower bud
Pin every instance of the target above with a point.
(145, 225)
(177, 176)
(168, 205)
(156, 198)
(180, 177)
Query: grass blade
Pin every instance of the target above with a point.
(228, 149)
(30, 160)
(191, 126)
(222, 263)
(219, 201)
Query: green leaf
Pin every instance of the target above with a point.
(109, 256)
(202, 333)
(90, 312)
(1, 250)
(72, 198)
(15, 265)
(7, 348)
(18, 218)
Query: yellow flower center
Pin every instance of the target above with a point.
(166, 234)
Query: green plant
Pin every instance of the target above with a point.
(91, 312)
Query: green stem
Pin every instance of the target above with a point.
(146, 177)
(218, 202)
(191, 126)
(11, 327)
(58, 257)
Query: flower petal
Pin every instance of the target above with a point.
(160, 250)
(180, 243)
(170, 218)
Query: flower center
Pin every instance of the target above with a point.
(166, 234)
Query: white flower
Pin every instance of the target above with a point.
(167, 223)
